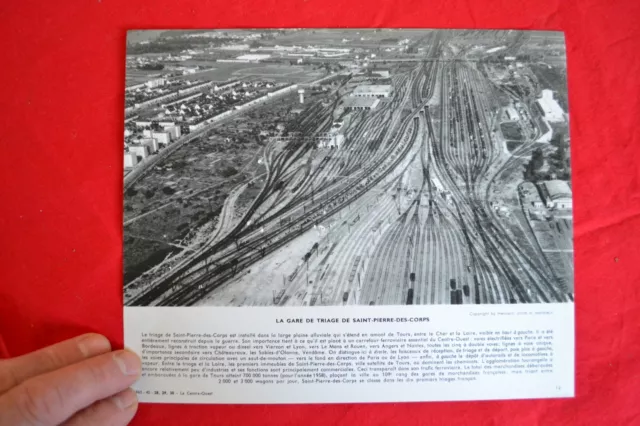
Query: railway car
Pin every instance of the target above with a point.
(410, 296)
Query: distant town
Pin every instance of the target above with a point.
(336, 167)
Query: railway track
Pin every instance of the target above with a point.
(182, 293)
(422, 248)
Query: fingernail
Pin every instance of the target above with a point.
(128, 362)
(125, 399)
(93, 344)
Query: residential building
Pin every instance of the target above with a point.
(174, 131)
(155, 83)
(150, 143)
(140, 151)
(130, 160)
(162, 137)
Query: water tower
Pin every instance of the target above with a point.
(301, 93)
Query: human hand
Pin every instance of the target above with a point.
(76, 382)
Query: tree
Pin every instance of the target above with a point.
(557, 139)
(529, 172)
(228, 172)
(561, 153)
(537, 159)
(168, 190)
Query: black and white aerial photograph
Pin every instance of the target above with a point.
(331, 167)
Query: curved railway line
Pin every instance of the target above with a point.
(405, 205)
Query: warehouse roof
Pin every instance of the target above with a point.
(355, 102)
(557, 189)
(253, 57)
(372, 88)
(549, 105)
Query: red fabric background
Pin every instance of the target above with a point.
(61, 98)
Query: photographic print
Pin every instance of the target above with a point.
(324, 167)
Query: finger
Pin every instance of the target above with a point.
(115, 411)
(16, 370)
(52, 398)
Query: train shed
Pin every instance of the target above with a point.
(357, 103)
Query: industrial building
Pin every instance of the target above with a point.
(511, 114)
(155, 83)
(531, 201)
(550, 108)
(373, 90)
(359, 103)
(253, 57)
(332, 140)
(557, 194)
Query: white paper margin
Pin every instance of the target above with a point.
(444, 318)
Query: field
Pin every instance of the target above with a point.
(230, 70)
(511, 131)
(145, 35)
(556, 239)
(222, 71)
(136, 76)
(166, 205)
(353, 37)
(188, 190)
(513, 145)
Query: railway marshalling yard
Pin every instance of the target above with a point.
(417, 205)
